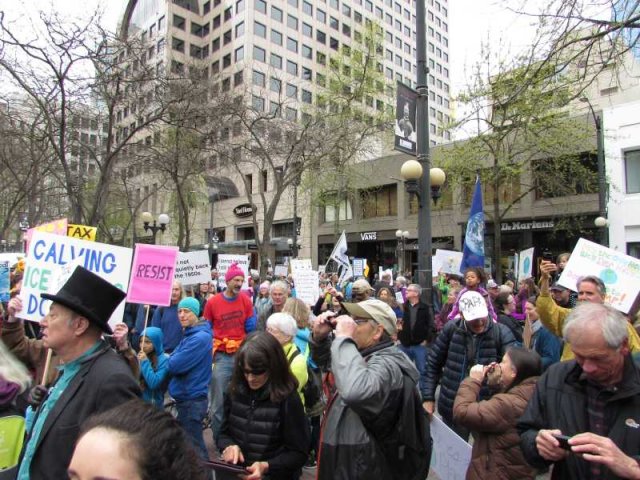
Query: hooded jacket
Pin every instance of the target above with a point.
(496, 450)
(454, 352)
(190, 364)
(366, 406)
(155, 380)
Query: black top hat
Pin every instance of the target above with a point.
(89, 295)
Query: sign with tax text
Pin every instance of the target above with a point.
(152, 274)
(48, 252)
(83, 232)
(193, 267)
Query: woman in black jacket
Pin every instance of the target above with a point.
(505, 305)
(264, 425)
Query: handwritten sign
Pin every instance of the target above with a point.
(449, 261)
(619, 272)
(451, 454)
(152, 274)
(48, 252)
(307, 286)
(525, 264)
(358, 267)
(83, 232)
(300, 264)
(4, 281)
(281, 271)
(224, 262)
(193, 267)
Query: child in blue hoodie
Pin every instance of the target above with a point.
(154, 367)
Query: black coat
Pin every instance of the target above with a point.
(277, 433)
(423, 329)
(453, 354)
(103, 382)
(560, 401)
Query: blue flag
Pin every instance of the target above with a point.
(473, 251)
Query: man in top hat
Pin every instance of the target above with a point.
(93, 377)
(231, 316)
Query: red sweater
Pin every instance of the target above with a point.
(227, 317)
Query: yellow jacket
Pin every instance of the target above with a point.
(298, 367)
(553, 316)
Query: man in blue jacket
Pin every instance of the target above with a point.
(190, 369)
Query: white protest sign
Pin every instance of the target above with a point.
(435, 265)
(280, 271)
(451, 454)
(525, 264)
(224, 262)
(399, 298)
(297, 264)
(358, 267)
(193, 267)
(48, 252)
(619, 272)
(307, 287)
(449, 261)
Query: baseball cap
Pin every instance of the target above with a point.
(558, 287)
(360, 286)
(473, 306)
(376, 310)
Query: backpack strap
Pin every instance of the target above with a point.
(295, 353)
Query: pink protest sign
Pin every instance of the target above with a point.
(56, 227)
(152, 274)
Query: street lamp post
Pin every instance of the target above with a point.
(149, 224)
(293, 246)
(419, 184)
(402, 238)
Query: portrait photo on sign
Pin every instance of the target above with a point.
(405, 124)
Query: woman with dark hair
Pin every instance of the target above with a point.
(134, 441)
(526, 288)
(496, 450)
(264, 425)
(506, 305)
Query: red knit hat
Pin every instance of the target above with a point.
(232, 272)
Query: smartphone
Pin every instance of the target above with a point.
(547, 256)
(564, 441)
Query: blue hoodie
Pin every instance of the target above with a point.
(190, 363)
(155, 381)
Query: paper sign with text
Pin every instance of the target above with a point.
(451, 454)
(300, 264)
(619, 272)
(193, 267)
(358, 267)
(56, 227)
(449, 261)
(152, 274)
(225, 260)
(307, 286)
(525, 264)
(82, 232)
(48, 253)
(4, 281)
(281, 271)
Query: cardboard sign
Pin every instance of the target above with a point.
(4, 281)
(224, 262)
(281, 271)
(47, 253)
(448, 261)
(152, 274)
(451, 454)
(525, 264)
(297, 264)
(82, 232)
(307, 286)
(193, 267)
(619, 272)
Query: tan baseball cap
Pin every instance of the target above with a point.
(376, 310)
(361, 286)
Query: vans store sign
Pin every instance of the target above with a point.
(524, 226)
(368, 236)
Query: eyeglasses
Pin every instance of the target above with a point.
(255, 372)
(360, 321)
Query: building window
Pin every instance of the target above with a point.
(292, 91)
(291, 114)
(258, 78)
(240, 29)
(307, 52)
(259, 29)
(292, 68)
(333, 208)
(275, 85)
(379, 202)
(276, 61)
(239, 54)
(307, 97)
(632, 170)
(259, 54)
(307, 30)
(321, 37)
(292, 22)
(257, 103)
(307, 8)
(238, 78)
(264, 180)
(179, 22)
(633, 249)
(276, 14)
(292, 45)
(321, 16)
(261, 6)
(177, 44)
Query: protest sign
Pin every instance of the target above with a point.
(56, 227)
(307, 287)
(619, 272)
(300, 264)
(152, 274)
(451, 454)
(281, 271)
(358, 267)
(525, 264)
(224, 262)
(82, 232)
(193, 267)
(449, 261)
(4, 281)
(47, 253)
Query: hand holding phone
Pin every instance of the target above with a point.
(563, 440)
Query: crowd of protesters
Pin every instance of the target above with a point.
(539, 376)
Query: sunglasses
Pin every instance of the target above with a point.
(255, 372)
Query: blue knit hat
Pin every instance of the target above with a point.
(190, 303)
